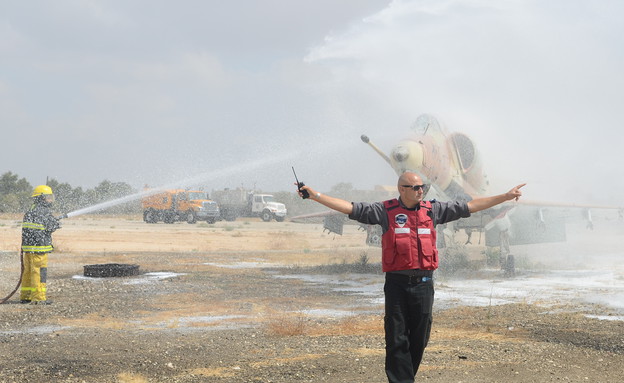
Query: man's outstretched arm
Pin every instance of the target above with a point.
(483, 203)
(331, 202)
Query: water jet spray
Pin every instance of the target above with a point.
(247, 166)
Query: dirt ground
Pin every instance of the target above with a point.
(223, 303)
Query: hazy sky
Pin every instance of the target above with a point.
(236, 92)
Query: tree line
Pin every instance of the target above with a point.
(15, 195)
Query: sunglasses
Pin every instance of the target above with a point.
(416, 187)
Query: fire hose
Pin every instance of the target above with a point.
(18, 282)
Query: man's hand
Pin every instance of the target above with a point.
(337, 204)
(483, 203)
(515, 193)
(311, 192)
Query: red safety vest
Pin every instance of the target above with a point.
(410, 241)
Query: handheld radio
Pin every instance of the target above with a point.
(304, 193)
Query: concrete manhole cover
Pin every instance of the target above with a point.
(111, 270)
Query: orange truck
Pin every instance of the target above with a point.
(175, 205)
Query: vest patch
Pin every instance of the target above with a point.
(424, 231)
(401, 230)
(400, 219)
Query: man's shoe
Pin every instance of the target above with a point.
(23, 301)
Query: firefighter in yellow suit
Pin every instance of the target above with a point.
(37, 228)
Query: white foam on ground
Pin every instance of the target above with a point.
(601, 287)
(134, 280)
(578, 288)
(607, 317)
(324, 313)
(48, 329)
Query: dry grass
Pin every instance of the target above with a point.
(219, 372)
(281, 361)
(282, 240)
(287, 326)
(94, 321)
(354, 325)
(126, 377)
(302, 325)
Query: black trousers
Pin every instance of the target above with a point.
(407, 323)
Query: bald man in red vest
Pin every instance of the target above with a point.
(409, 258)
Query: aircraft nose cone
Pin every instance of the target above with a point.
(400, 154)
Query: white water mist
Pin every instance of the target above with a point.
(284, 157)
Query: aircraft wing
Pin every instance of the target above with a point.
(529, 222)
(305, 218)
(333, 221)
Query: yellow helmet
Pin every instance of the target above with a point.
(41, 189)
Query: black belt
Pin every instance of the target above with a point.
(410, 276)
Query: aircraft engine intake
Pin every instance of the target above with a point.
(465, 150)
(469, 162)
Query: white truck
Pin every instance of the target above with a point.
(239, 202)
